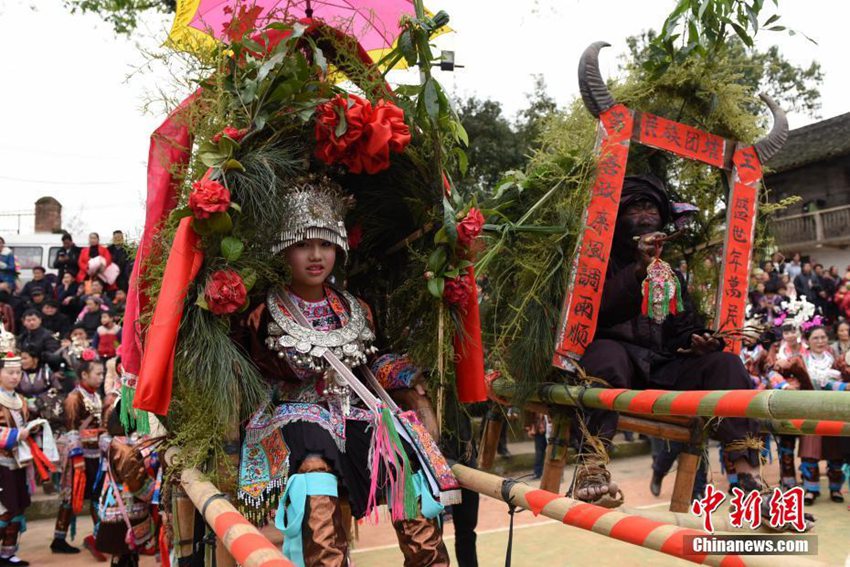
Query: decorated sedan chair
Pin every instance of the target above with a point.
(571, 204)
(292, 319)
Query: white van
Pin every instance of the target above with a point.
(33, 250)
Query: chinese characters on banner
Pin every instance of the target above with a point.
(738, 248)
(617, 125)
(579, 313)
(682, 140)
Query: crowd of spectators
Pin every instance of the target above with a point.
(56, 316)
(804, 311)
(780, 280)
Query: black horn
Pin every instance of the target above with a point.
(597, 98)
(775, 139)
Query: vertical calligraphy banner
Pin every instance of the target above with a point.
(738, 247)
(577, 325)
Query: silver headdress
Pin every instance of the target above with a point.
(315, 208)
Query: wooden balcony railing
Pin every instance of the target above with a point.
(827, 227)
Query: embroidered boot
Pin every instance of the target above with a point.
(323, 535)
(421, 542)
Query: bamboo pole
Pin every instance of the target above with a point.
(770, 404)
(721, 522)
(241, 539)
(806, 427)
(652, 428)
(629, 528)
(490, 439)
(683, 487)
(557, 448)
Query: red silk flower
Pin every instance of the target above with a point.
(457, 291)
(371, 133)
(225, 292)
(208, 197)
(89, 355)
(234, 134)
(355, 236)
(470, 227)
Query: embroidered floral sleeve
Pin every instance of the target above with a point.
(394, 371)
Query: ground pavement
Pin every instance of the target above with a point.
(537, 540)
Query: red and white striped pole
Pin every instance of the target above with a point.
(633, 529)
(242, 540)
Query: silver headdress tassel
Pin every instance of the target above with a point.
(315, 208)
(9, 357)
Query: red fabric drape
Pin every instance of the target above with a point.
(469, 353)
(153, 392)
(169, 151)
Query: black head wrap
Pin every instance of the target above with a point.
(647, 186)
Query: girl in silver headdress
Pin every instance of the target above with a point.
(330, 438)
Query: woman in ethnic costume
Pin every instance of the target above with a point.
(131, 485)
(83, 413)
(42, 388)
(322, 442)
(786, 370)
(14, 492)
(825, 375)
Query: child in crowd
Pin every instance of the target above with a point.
(89, 317)
(83, 412)
(108, 336)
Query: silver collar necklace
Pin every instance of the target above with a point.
(351, 343)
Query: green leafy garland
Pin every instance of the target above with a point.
(530, 253)
(254, 125)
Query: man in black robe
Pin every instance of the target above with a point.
(631, 350)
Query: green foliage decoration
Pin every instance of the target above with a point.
(541, 208)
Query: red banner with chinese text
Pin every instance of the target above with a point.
(738, 247)
(577, 325)
(681, 139)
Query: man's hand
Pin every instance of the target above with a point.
(648, 247)
(23, 434)
(704, 344)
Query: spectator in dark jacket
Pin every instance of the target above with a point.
(119, 304)
(66, 296)
(14, 301)
(36, 338)
(37, 300)
(38, 282)
(807, 283)
(53, 320)
(68, 257)
(119, 256)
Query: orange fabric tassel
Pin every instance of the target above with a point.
(79, 486)
(42, 465)
(153, 392)
(164, 558)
